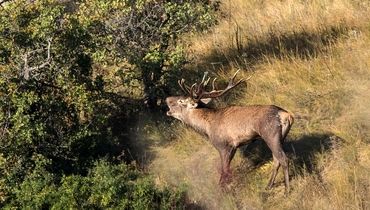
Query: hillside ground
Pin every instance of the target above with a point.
(309, 57)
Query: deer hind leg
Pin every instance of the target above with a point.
(280, 159)
(285, 164)
(283, 160)
(274, 173)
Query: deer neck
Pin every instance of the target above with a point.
(199, 119)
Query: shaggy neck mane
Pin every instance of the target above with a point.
(199, 119)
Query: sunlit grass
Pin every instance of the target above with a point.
(309, 57)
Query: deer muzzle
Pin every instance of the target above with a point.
(169, 113)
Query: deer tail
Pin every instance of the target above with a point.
(290, 119)
(287, 120)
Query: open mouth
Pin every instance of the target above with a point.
(169, 113)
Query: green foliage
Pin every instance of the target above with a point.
(58, 114)
(107, 186)
(146, 35)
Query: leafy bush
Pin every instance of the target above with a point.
(58, 112)
(107, 186)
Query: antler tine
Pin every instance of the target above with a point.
(199, 89)
(231, 81)
(213, 84)
(192, 94)
(183, 86)
(240, 81)
(201, 86)
(217, 93)
(204, 76)
(248, 78)
(233, 84)
(206, 82)
(180, 82)
(232, 78)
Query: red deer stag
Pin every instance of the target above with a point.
(230, 127)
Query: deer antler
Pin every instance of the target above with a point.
(217, 93)
(183, 86)
(198, 92)
(188, 90)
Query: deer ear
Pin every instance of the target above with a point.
(206, 100)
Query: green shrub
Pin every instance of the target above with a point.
(58, 112)
(107, 186)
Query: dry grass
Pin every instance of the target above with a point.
(310, 57)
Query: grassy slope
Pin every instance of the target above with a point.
(312, 58)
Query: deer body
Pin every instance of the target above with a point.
(230, 127)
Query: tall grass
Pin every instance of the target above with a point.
(313, 59)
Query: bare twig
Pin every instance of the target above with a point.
(27, 69)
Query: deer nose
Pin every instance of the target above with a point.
(168, 100)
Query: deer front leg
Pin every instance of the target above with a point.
(226, 154)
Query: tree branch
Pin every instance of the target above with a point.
(27, 70)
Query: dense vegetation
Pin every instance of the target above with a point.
(73, 76)
(82, 85)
